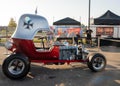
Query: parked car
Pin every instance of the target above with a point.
(24, 51)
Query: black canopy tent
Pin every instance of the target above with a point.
(109, 18)
(67, 21)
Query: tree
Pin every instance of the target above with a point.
(12, 23)
(83, 27)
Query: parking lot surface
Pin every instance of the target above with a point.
(75, 74)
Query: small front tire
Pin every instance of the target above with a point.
(96, 62)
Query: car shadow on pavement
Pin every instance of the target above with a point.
(54, 70)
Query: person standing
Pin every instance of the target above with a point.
(89, 37)
(77, 38)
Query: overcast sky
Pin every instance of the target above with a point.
(55, 10)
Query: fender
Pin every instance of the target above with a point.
(20, 55)
(89, 57)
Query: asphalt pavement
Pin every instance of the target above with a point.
(75, 74)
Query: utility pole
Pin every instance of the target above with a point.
(89, 14)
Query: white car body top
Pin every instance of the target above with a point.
(29, 25)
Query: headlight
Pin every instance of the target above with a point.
(8, 45)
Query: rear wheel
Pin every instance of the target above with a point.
(16, 66)
(97, 62)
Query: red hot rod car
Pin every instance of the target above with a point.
(17, 64)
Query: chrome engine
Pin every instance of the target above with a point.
(73, 52)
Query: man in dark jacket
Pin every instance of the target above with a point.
(89, 38)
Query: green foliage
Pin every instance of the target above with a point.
(12, 23)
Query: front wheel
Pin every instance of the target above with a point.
(16, 66)
(96, 62)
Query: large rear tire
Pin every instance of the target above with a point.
(16, 66)
(96, 62)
